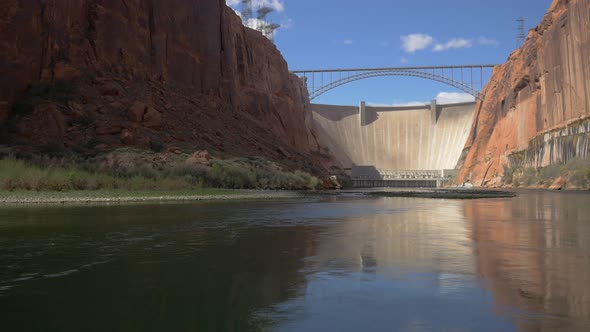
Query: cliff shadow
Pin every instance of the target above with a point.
(335, 112)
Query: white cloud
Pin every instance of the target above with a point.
(277, 5)
(232, 3)
(454, 97)
(441, 98)
(348, 42)
(453, 43)
(396, 104)
(412, 103)
(487, 41)
(404, 60)
(416, 42)
(287, 23)
(378, 104)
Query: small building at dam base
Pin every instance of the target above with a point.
(369, 176)
(397, 146)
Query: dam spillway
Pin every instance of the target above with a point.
(409, 142)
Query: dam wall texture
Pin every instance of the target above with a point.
(427, 137)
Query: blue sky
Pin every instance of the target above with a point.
(391, 33)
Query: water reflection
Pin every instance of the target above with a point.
(534, 252)
(147, 268)
(342, 263)
(415, 236)
(409, 269)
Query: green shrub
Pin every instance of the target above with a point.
(225, 175)
(508, 175)
(156, 146)
(581, 177)
(529, 177)
(54, 150)
(45, 173)
(547, 175)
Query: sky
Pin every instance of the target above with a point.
(393, 33)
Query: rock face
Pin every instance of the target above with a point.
(537, 104)
(80, 74)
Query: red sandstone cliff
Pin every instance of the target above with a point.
(537, 104)
(99, 74)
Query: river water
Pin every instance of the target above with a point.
(337, 263)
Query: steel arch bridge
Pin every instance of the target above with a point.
(467, 78)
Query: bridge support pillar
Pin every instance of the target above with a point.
(433, 115)
(363, 113)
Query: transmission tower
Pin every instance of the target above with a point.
(246, 12)
(260, 23)
(269, 30)
(520, 35)
(262, 13)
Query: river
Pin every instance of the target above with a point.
(330, 263)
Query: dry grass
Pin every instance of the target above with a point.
(52, 175)
(576, 172)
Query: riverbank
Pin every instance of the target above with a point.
(136, 170)
(446, 193)
(121, 196)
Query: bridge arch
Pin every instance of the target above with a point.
(442, 74)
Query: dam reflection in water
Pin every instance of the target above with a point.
(341, 263)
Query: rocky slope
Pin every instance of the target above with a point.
(91, 76)
(537, 105)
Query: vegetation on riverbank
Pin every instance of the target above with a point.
(131, 170)
(575, 174)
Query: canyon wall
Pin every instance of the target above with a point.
(537, 104)
(395, 138)
(94, 75)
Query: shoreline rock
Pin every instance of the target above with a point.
(25, 198)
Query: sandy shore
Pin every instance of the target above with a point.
(31, 197)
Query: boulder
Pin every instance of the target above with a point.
(335, 183)
(558, 184)
(200, 157)
(109, 89)
(152, 118)
(137, 111)
(127, 137)
(173, 150)
(108, 128)
(65, 72)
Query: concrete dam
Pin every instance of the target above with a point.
(414, 146)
